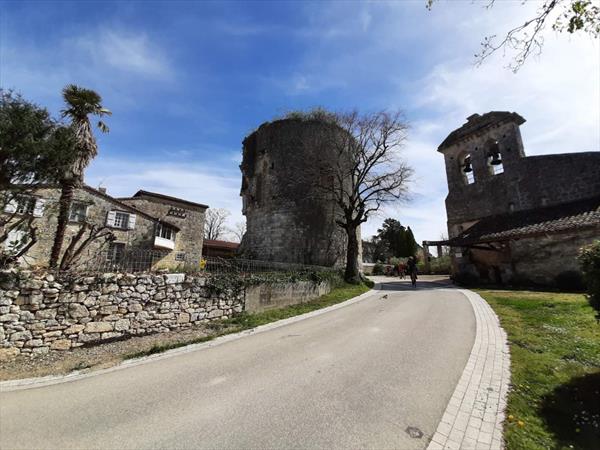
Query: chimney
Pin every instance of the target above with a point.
(102, 189)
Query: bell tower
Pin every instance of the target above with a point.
(479, 157)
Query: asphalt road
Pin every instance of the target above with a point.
(368, 375)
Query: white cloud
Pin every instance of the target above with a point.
(126, 51)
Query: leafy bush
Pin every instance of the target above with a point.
(589, 260)
(378, 269)
(570, 281)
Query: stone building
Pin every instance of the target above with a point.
(511, 217)
(148, 230)
(290, 215)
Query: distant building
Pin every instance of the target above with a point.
(148, 230)
(513, 218)
(222, 249)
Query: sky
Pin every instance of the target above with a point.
(186, 81)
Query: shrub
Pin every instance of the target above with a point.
(570, 281)
(589, 260)
(378, 269)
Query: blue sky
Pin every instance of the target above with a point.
(186, 81)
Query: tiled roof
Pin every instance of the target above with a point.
(477, 123)
(210, 243)
(142, 193)
(552, 219)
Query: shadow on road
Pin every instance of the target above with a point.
(424, 283)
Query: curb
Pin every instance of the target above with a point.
(32, 383)
(474, 416)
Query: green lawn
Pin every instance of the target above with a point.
(555, 363)
(246, 321)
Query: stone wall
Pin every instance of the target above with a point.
(39, 314)
(270, 296)
(529, 261)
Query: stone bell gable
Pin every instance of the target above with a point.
(514, 218)
(488, 172)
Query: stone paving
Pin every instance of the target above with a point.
(475, 414)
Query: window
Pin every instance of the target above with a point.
(16, 240)
(165, 232)
(78, 212)
(115, 251)
(26, 205)
(180, 256)
(121, 220)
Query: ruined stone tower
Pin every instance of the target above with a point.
(290, 218)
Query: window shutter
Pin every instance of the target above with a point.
(131, 221)
(110, 218)
(11, 206)
(15, 240)
(38, 210)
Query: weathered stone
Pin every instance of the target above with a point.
(135, 307)
(89, 337)
(110, 335)
(110, 309)
(52, 334)
(61, 344)
(6, 354)
(183, 318)
(73, 329)
(41, 350)
(215, 313)
(108, 289)
(98, 327)
(77, 311)
(140, 288)
(122, 325)
(45, 314)
(21, 336)
(34, 343)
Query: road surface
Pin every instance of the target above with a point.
(374, 374)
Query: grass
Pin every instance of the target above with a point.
(555, 363)
(246, 321)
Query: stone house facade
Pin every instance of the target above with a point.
(144, 234)
(513, 217)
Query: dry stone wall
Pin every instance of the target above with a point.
(41, 313)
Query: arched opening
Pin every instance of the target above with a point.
(466, 169)
(494, 158)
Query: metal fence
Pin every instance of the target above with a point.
(144, 260)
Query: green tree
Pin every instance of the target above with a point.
(80, 104)
(34, 150)
(411, 246)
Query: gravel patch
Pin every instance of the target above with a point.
(102, 356)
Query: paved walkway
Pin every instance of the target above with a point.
(475, 414)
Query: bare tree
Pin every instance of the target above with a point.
(238, 231)
(527, 39)
(367, 173)
(215, 223)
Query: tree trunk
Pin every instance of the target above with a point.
(352, 274)
(66, 199)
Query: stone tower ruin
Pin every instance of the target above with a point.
(290, 218)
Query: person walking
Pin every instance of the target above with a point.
(411, 268)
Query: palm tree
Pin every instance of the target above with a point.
(80, 104)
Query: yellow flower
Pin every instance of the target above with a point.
(511, 417)
(202, 264)
(521, 423)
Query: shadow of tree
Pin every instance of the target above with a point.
(572, 412)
